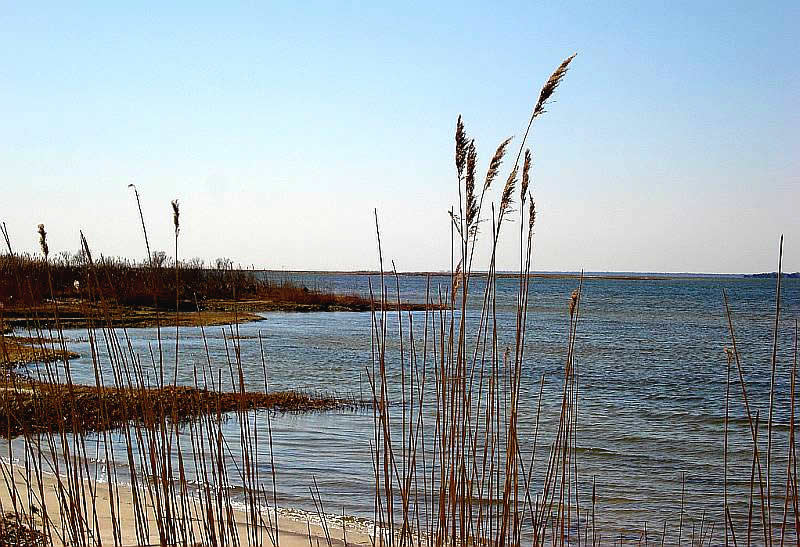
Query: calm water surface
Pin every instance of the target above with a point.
(652, 388)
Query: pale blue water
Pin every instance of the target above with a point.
(651, 373)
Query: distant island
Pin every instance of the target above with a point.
(774, 275)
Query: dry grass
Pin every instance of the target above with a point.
(74, 313)
(15, 532)
(471, 485)
(31, 407)
(150, 413)
(16, 351)
(127, 294)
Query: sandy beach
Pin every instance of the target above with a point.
(292, 532)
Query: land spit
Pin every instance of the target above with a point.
(29, 407)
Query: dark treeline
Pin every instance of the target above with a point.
(774, 275)
(24, 282)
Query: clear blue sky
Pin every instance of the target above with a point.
(672, 146)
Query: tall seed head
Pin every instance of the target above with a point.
(457, 279)
(176, 213)
(461, 147)
(508, 192)
(531, 213)
(85, 247)
(495, 163)
(573, 302)
(4, 229)
(472, 202)
(43, 241)
(526, 179)
(550, 86)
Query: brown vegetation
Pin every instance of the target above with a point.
(75, 313)
(15, 532)
(33, 407)
(15, 351)
(479, 490)
(129, 294)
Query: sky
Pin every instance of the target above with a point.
(671, 146)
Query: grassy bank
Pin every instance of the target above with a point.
(17, 351)
(74, 313)
(33, 407)
(122, 293)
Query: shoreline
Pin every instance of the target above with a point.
(292, 532)
(18, 351)
(611, 276)
(75, 314)
(29, 406)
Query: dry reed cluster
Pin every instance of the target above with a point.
(458, 477)
(173, 439)
(34, 407)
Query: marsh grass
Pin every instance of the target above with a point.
(474, 483)
(167, 433)
(471, 485)
(20, 350)
(136, 284)
(34, 407)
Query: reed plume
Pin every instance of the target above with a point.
(544, 95)
(457, 279)
(85, 247)
(472, 202)
(43, 241)
(491, 173)
(531, 212)
(176, 213)
(4, 229)
(573, 301)
(507, 198)
(551, 85)
(495, 163)
(526, 179)
(461, 147)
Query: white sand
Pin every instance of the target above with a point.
(292, 533)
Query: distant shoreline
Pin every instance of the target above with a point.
(621, 276)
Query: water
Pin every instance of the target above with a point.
(652, 388)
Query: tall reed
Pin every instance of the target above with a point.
(458, 477)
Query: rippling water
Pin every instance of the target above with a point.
(652, 388)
